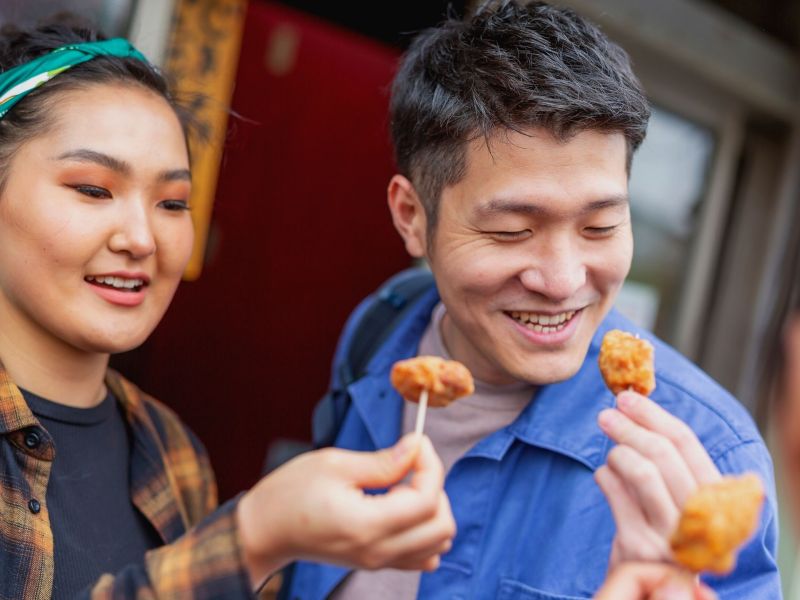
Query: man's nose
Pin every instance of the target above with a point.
(556, 271)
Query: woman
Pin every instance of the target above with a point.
(102, 489)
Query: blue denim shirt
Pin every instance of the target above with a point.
(532, 522)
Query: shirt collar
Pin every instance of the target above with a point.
(561, 418)
(154, 489)
(151, 480)
(16, 415)
(14, 411)
(377, 402)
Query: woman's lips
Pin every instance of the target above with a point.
(121, 291)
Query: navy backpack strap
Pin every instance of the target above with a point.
(392, 301)
(389, 305)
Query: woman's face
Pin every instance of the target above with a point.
(94, 225)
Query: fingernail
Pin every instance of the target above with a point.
(402, 448)
(673, 591)
(607, 418)
(703, 592)
(627, 399)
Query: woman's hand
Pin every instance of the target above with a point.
(652, 581)
(314, 507)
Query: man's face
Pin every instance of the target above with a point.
(529, 251)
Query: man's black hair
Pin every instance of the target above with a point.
(508, 67)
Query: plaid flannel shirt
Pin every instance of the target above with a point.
(172, 485)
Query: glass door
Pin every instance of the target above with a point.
(669, 180)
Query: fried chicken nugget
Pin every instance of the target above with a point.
(626, 362)
(445, 380)
(716, 521)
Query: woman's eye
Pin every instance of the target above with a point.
(92, 191)
(175, 205)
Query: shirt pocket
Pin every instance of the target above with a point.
(514, 590)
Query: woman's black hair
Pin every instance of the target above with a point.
(32, 116)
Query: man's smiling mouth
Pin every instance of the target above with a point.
(542, 323)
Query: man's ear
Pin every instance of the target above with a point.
(408, 215)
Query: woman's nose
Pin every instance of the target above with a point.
(134, 233)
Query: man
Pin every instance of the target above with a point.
(514, 132)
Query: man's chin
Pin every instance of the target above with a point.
(546, 375)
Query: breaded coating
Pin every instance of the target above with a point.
(445, 380)
(626, 362)
(716, 521)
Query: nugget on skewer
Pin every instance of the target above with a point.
(626, 362)
(431, 379)
(445, 380)
(716, 521)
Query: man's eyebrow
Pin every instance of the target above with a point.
(525, 207)
(610, 202)
(120, 166)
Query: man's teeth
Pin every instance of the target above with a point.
(543, 323)
(117, 282)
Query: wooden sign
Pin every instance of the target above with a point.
(201, 62)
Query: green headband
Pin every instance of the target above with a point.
(18, 82)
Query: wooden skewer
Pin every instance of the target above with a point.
(423, 406)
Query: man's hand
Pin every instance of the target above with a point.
(656, 465)
(649, 581)
(314, 507)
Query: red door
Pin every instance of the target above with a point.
(300, 233)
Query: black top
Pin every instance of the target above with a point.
(96, 528)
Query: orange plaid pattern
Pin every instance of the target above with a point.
(173, 486)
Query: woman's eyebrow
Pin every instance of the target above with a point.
(119, 165)
(175, 175)
(92, 156)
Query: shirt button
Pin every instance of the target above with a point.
(32, 439)
(34, 505)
